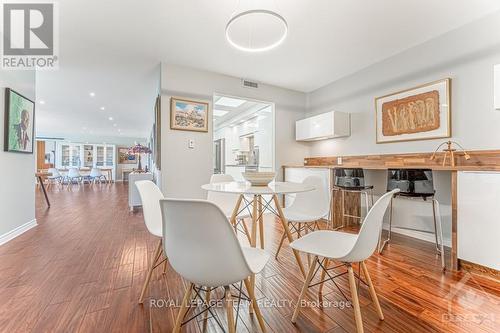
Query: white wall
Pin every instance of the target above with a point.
(185, 170)
(466, 55)
(17, 192)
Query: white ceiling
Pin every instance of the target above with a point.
(113, 48)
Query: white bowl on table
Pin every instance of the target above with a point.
(259, 178)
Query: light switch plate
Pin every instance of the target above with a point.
(339, 160)
(191, 144)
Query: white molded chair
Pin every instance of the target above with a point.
(307, 209)
(227, 202)
(348, 249)
(55, 176)
(150, 196)
(74, 174)
(203, 248)
(96, 175)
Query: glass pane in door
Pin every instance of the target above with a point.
(64, 155)
(75, 156)
(88, 155)
(99, 156)
(109, 156)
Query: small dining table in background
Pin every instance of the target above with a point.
(41, 176)
(260, 204)
(86, 170)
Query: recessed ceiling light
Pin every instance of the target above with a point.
(114, 125)
(230, 102)
(92, 94)
(256, 30)
(119, 130)
(102, 108)
(110, 118)
(220, 113)
(42, 102)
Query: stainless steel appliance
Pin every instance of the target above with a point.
(219, 160)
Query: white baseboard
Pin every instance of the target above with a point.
(17, 231)
(418, 235)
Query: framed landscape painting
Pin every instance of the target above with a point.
(188, 115)
(420, 113)
(124, 157)
(19, 128)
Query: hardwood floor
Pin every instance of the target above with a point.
(82, 269)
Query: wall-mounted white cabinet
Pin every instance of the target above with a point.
(497, 87)
(328, 125)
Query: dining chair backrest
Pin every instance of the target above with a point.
(150, 196)
(226, 201)
(315, 202)
(73, 173)
(54, 173)
(369, 233)
(95, 172)
(202, 246)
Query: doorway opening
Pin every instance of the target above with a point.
(244, 135)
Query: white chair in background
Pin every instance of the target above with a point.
(203, 248)
(150, 196)
(74, 175)
(96, 175)
(348, 249)
(227, 202)
(307, 209)
(55, 176)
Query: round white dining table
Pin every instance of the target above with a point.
(259, 205)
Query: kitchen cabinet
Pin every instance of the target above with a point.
(478, 225)
(327, 125)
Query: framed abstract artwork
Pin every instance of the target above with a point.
(189, 115)
(420, 113)
(19, 131)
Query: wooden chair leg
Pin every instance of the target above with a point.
(261, 224)
(373, 294)
(304, 289)
(208, 293)
(323, 275)
(150, 271)
(183, 309)
(355, 300)
(165, 264)
(251, 294)
(245, 229)
(281, 245)
(229, 310)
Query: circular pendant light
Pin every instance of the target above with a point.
(256, 30)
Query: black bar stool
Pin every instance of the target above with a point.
(415, 183)
(352, 180)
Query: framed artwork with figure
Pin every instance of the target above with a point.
(19, 131)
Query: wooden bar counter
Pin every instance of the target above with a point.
(480, 160)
